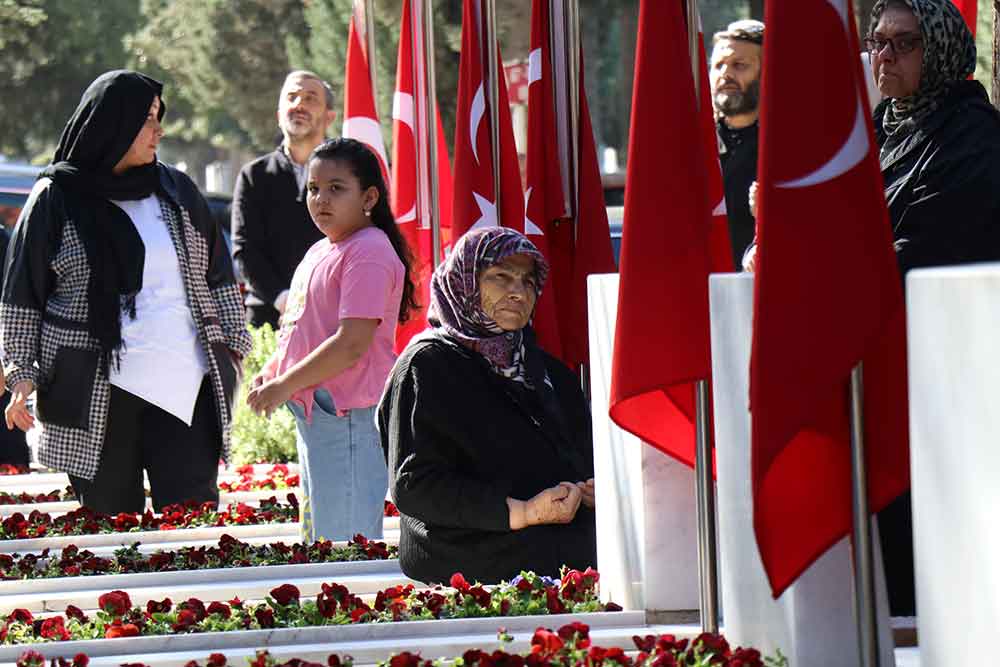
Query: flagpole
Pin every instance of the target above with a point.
(572, 27)
(864, 579)
(369, 9)
(426, 19)
(493, 95)
(708, 566)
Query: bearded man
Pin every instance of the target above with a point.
(270, 223)
(735, 78)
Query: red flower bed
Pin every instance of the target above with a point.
(30, 499)
(334, 605)
(277, 478)
(13, 469)
(190, 515)
(570, 646)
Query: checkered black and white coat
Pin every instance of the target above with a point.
(44, 309)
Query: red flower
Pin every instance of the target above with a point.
(115, 603)
(459, 583)
(124, 522)
(54, 628)
(31, 658)
(480, 595)
(219, 608)
(217, 660)
(405, 659)
(72, 611)
(552, 601)
(186, 619)
(358, 614)
(21, 616)
(285, 595)
(333, 660)
(524, 586)
(162, 607)
(545, 642)
(196, 606)
(577, 629)
(712, 643)
(80, 660)
(745, 657)
(119, 629)
(236, 603)
(265, 617)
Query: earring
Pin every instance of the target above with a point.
(368, 213)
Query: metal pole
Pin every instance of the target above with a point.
(426, 19)
(693, 20)
(489, 44)
(573, 70)
(708, 568)
(864, 580)
(369, 9)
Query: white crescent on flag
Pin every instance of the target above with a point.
(530, 228)
(366, 130)
(402, 110)
(476, 117)
(855, 147)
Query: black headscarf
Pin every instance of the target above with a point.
(949, 58)
(111, 113)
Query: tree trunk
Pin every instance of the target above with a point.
(757, 9)
(996, 53)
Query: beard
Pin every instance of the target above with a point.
(736, 103)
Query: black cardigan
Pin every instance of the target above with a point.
(271, 226)
(459, 440)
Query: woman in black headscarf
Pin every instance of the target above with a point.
(939, 137)
(120, 308)
(939, 141)
(486, 436)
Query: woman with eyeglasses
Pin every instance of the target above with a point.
(939, 141)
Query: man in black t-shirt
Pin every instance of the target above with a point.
(735, 78)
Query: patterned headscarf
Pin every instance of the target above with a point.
(949, 56)
(455, 299)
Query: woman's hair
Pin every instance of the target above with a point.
(365, 166)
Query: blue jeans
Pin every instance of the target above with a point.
(342, 471)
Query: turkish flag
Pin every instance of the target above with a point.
(662, 333)
(968, 9)
(575, 248)
(407, 133)
(827, 296)
(360, 115)
(474, 199)
(545, 203)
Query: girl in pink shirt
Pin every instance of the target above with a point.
(335, 343)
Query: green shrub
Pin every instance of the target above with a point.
(259, 438)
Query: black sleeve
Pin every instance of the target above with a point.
(28, 281)
(953, 216)
(250, 249)
(421, 438)
(576, 411)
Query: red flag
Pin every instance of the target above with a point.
(828, 295)
(662, 332)
(474, 200)
(575, 249)
(360, 115)
(412, 219)
(968, 9)
(544, 201)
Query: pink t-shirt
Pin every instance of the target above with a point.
(359, 277)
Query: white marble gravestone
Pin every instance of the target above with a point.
(812, 623)
(647, 549)
(953, 326)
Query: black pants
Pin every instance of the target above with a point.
(13, 446)
(258, 315)
(182, 462)
(895, 525)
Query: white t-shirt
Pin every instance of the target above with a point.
(163, 362)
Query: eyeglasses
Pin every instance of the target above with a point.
(900, 45)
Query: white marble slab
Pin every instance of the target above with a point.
(813, 621)
(383, 637)
(647, 550)
(954, 374)
(184, 535)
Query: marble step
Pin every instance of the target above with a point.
(367, 643)
(43, 482)
(249, 583)
(251, 498)
(265, 533)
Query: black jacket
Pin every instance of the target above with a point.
(942, 183)
(271, 226)
(739, 171)
(45, 306)
(459, 440)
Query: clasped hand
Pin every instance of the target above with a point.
(557, 504)
(267, 394)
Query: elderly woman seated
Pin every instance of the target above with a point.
(487, 437)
